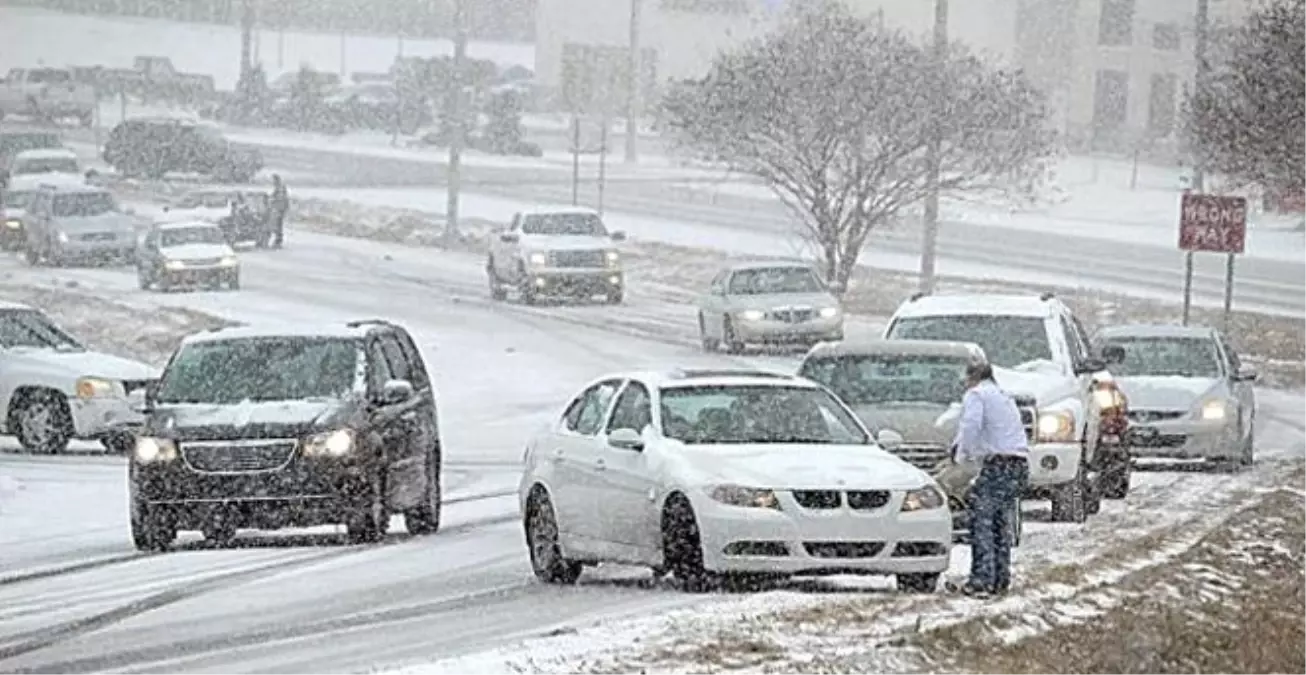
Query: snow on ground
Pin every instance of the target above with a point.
(35, 36)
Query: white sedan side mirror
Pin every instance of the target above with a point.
(626, 439)
(889, 439)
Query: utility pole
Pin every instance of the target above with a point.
(459, 121)
(633, 82)
(1198, 184)
(930, 229)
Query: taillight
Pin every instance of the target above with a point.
(1113, 407)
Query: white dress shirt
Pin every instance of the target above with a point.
(990, 424)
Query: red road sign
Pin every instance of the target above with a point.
(1212, 223)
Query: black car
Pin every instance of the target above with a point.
(249, 428)
(153, 147)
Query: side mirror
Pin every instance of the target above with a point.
(618, 235)
(889, 439)
(92, 174)
(1113, 354)
(1090, 365)
(147, 396)
(509, 237)
(1246, 374)
(396, 391)
(626, 439)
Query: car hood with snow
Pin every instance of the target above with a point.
(919, 422)
(543, 243)
(184, 252)
(247, 419)
(1170, 392)
(802, 467)
(73, 364)
(105, 222)
(769, 301)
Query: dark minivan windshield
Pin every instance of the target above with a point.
(261, 369)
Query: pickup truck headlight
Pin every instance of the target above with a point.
(752, 315)
(923, 499)
(62, 237)
(1214, 410)
(613, 258)
(736, 495)
(13, 224)
(94, 387)
(336, 443)
(228, 261)
(538, 259)
(1056, 427)
(149, 450)
(829, 312)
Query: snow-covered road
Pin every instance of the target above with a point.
(74, 597)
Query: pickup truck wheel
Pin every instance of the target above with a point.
(1248, 456)
(1070, 501)
(33, 256)
(497, 291)
(425, 519)
(42, 422)
(1116, 476)
(527, 289)
(709, 343)
(732, 342)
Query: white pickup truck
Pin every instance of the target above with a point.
(47, 94)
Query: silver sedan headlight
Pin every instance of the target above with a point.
(1213, 410)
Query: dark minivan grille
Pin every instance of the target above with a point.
(229, 457)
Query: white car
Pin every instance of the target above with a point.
(16, 199)
(722, 475)
(1189, 395)
(552, 252)
(1040, 353)
(54, 390)
(769, 303)
(186, 253)
(45, 161)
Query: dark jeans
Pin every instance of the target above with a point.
(993, 497)
(278, 218)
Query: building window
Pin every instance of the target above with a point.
(1116, 24)
(1165, 36)
(1161, 105)
(707, 6)
(1111, 99)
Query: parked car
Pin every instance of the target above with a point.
(556, 251)
(47, 94)
(15, 200)
(768, 303)
(156, 146)
(288, 427)
(44, 161)
(14, 141)
(1190, 395)
(725, 475)
(380, 106)
(55, 390)
(903, 390)
(65, 223)
(1039, 350)
(184, 253)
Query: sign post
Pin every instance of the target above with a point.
(1211, 224)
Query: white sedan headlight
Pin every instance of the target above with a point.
(1214, 410)
(95, 387)
(1056, 426)
(538, 259)
(829, 312)
(752, 315)
(330, 443)
(736, 495)
(149, 450)
(923, 499)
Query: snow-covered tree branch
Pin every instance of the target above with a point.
(835, 114)
(1249, 120)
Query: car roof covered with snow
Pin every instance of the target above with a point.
(1163, 330)
(46, 153)
(960, 350)
(558, 211)
(71, 188)
(185, 225)
(34, 181)
(978, 304)
(342, 331)
(768, 265)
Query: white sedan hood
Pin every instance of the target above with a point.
(197, 251)
(84, 364)
(1169, 392)
(564, 242)
(804, 467)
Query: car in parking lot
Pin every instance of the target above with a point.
(556, 252)
(1191, 397)
(288, 426)
(69, 222)
(17, 197)
(155, 146)
(186, 253)
(768, 303)
(45, 161)
(725, 475)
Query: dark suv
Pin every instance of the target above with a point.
(251, 428)
(153, 147)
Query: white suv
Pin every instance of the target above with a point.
(556, 252)
(1038, 349)
(54, 389)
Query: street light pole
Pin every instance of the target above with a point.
(458, 114)
(633, 82)
(1198, 184)
(930, 226)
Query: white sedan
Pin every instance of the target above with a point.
(1189, 395)
(718, 475)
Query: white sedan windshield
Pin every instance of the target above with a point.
(724, 414)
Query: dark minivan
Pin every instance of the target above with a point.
(250, 428)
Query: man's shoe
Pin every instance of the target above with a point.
(977, 592)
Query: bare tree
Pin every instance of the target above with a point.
(834, 113)
(1249, 120)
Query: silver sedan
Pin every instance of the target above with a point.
(768, 303)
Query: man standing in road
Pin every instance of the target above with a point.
(280, 204)
(992, 436)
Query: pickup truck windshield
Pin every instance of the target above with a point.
(261, 369)
(30, 328)
(889, 378)
(580, 224)
(1007, 341)
(83, 204)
